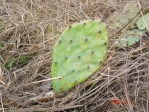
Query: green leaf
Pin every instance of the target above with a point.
(78, 54)
(142, 22)
(1, 45)
(130, 38)
(22, 59)
(9, 64)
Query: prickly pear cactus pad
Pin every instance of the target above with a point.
(143, 23)
(121, 19)
(130, 38)
(79, 53)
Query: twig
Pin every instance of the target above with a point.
(2, 102)
(36, 82)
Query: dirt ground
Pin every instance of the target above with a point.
(28, 31)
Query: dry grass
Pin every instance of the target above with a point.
(31, 28)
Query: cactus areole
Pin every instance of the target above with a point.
(78, 54)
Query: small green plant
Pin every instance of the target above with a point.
(79, 53)
(22, 59)
(9, 64)
(142, 22)
(135, 29)
(15, 61)
(129, 38)
(1, 45)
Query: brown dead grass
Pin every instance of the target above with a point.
(31, 27)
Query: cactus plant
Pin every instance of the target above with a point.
(142, 22)
(119, 20)
(79, 53)
(130, 38)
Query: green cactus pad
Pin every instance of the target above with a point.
(142, 22)
(130, 38)
(121, 19)
(78, 54)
